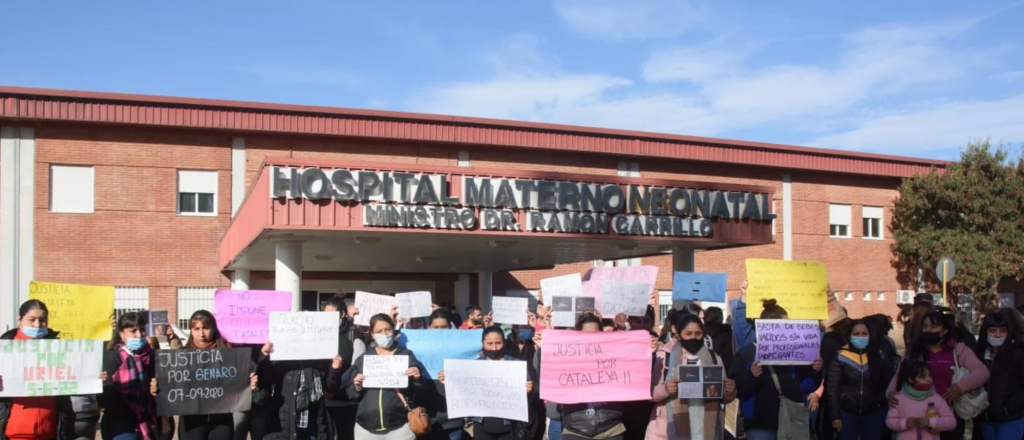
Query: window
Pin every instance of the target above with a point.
(872, 222)
(130, 299)
(191, 300)
(881, 296)
(628, 262)
(839, 221)
(72, 189)
(463, 158)
(867, 296)
(848, 297)
(197, 192)
(629, 169)
(664, 305)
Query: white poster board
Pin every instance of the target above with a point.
(304, 335)
(509, 310)
(565, 285)
(370, 304)
(385, 371)
(50, 367)
(486, 389)
(624, 297)
(413, 304)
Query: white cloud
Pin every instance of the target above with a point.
(1011, 75)
(616, 20)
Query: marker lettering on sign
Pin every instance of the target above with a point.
(575, 365)
(194, 382)
(785, 342)
(50, 367)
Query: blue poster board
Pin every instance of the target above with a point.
(698, 286)
(432, 347)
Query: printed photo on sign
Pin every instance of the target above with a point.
(787, 341)
(199, 382)
(566, 310)
(701, 382)
(50, 367)
(385, 371)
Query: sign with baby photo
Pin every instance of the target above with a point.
(701, 382)
(566, 310)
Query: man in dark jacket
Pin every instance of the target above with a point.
(720, 334)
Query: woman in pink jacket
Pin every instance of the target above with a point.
(937, 346)
(920, 413)
(681, 419)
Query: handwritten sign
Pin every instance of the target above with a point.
(195, 382)
(624, 297)
(701, 382)
(576, 366)
(566, 310)
(386, 371)
(304, 335)
(243, 316)
(509, 310)
(698, 286)
(594, 280)
(787, 342)
(50, 367)
(565, 285)
(800, 287)
(370, 304)
(432, 347)
(413, 304)
(486, 389)
(76, 310)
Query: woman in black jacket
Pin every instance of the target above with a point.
(856, 383)
(1000, 350)
(602, 420)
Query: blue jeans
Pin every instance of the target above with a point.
(455, 434)
(555, 430)
(762, 434)
(867, 426)
(1012, 430)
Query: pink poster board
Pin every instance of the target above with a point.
(576, 366)
(243, 316)
(593, 280)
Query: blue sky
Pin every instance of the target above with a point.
(916, 78)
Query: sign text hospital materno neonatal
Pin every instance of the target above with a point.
(411, 200)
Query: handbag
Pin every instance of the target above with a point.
(971, 404)
(794, 417)
(419, 420)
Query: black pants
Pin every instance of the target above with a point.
(207, 427)
(956, 434)
(342, 421)
(576, 437)
(480, 434)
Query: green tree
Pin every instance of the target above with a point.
(972, 212)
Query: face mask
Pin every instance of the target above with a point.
(35, 332)
(135, 344)
(494, 354)
(931, 338)
(859, 342)
(996, 342)
(525, 333)
(922, 386)
(383, 341)
(692, 346)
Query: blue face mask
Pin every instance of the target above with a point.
(35, 332)
(135, 344)
(525, 333)
(859, 342)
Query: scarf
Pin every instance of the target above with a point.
(679, 409)
(915, 394)
(133, 386)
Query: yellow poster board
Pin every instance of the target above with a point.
(77, 311)
(800, 287)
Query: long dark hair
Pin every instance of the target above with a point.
(30, 305)
(872, 350)
(918, 350)
(681, 320)
(994, 320)
(439, 314)
(126, 321)
(209, 320)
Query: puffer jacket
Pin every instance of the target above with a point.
(849, 383)
(1005, 387)
(380, 408)
(65, 410)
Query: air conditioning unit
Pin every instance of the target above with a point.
(905, 296)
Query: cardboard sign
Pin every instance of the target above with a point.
(243, 316)
(385, 371)
(701, 382)
(413, 304)
(509, 310)
(77, 311)
(835, 311)
(594, 280)
(486, 389)
(787, 342)
(304, 335)
(196, 382)
(370, 304)
(800, 287)
(432, 347)
(566, 310)
(50, 367)
(565, 285)
(624, 297)
(698, 286)
(577, 366)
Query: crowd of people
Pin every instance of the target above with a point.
(860, 387)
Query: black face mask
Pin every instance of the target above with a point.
(931, 338)
(692, 346)
(494, 354)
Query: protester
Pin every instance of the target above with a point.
(720, 334)
(434, 397)
(474, 318)
(918, 411)
(341, 412)
(855, 384)
(676, 419)
(1003, 353)
(597, 420)
(129, 406)
(924, 304)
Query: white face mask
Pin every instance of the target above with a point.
(383, 341)
(996, 342)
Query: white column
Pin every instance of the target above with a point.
(787, 217)
(237, 174)
(17, 219)
(683, 260)
(486, 290)
(240, 279)
(288, 270)
(462, 293)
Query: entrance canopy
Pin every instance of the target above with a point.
(388, 217)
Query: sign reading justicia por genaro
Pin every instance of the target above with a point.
(425, 201)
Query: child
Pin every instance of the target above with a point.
(920, 413)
